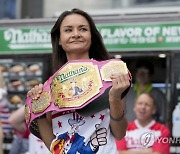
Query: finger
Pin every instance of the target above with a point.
(36, 91)
(40, 88)
(114, 82)
(33, 93)
(29, 94)
(126, 80)
(119, 79)
(120, 83)
(116, 75)
(123, 80)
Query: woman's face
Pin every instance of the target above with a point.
(75, 37)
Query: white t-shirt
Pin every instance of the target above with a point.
(37, 146)
(85, 135)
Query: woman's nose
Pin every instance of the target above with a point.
(76, 33)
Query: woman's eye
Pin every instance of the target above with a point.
(83, 29)
(68, 30)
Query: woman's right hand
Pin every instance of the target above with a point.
(34, 93)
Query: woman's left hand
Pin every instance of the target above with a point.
(120, 82)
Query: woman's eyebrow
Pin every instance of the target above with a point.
(80, 26)
(68, 26)
(83, 26)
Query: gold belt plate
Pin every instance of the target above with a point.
(75, 84)
(41, 103)
(113, 67)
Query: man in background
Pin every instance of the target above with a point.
(145, 135)
(143, 83)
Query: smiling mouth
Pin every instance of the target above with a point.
(76, 42)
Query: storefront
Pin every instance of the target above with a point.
(25, 52)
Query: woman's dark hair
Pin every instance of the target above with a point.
(97, 49)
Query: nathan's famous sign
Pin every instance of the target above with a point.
(117, 37)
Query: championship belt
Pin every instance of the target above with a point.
(79, 85)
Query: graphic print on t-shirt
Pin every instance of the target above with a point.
(72, 142)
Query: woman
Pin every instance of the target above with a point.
(74, 36)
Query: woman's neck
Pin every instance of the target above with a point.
(77, 56)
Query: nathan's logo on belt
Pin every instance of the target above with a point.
(75, 84)
(63, 77)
